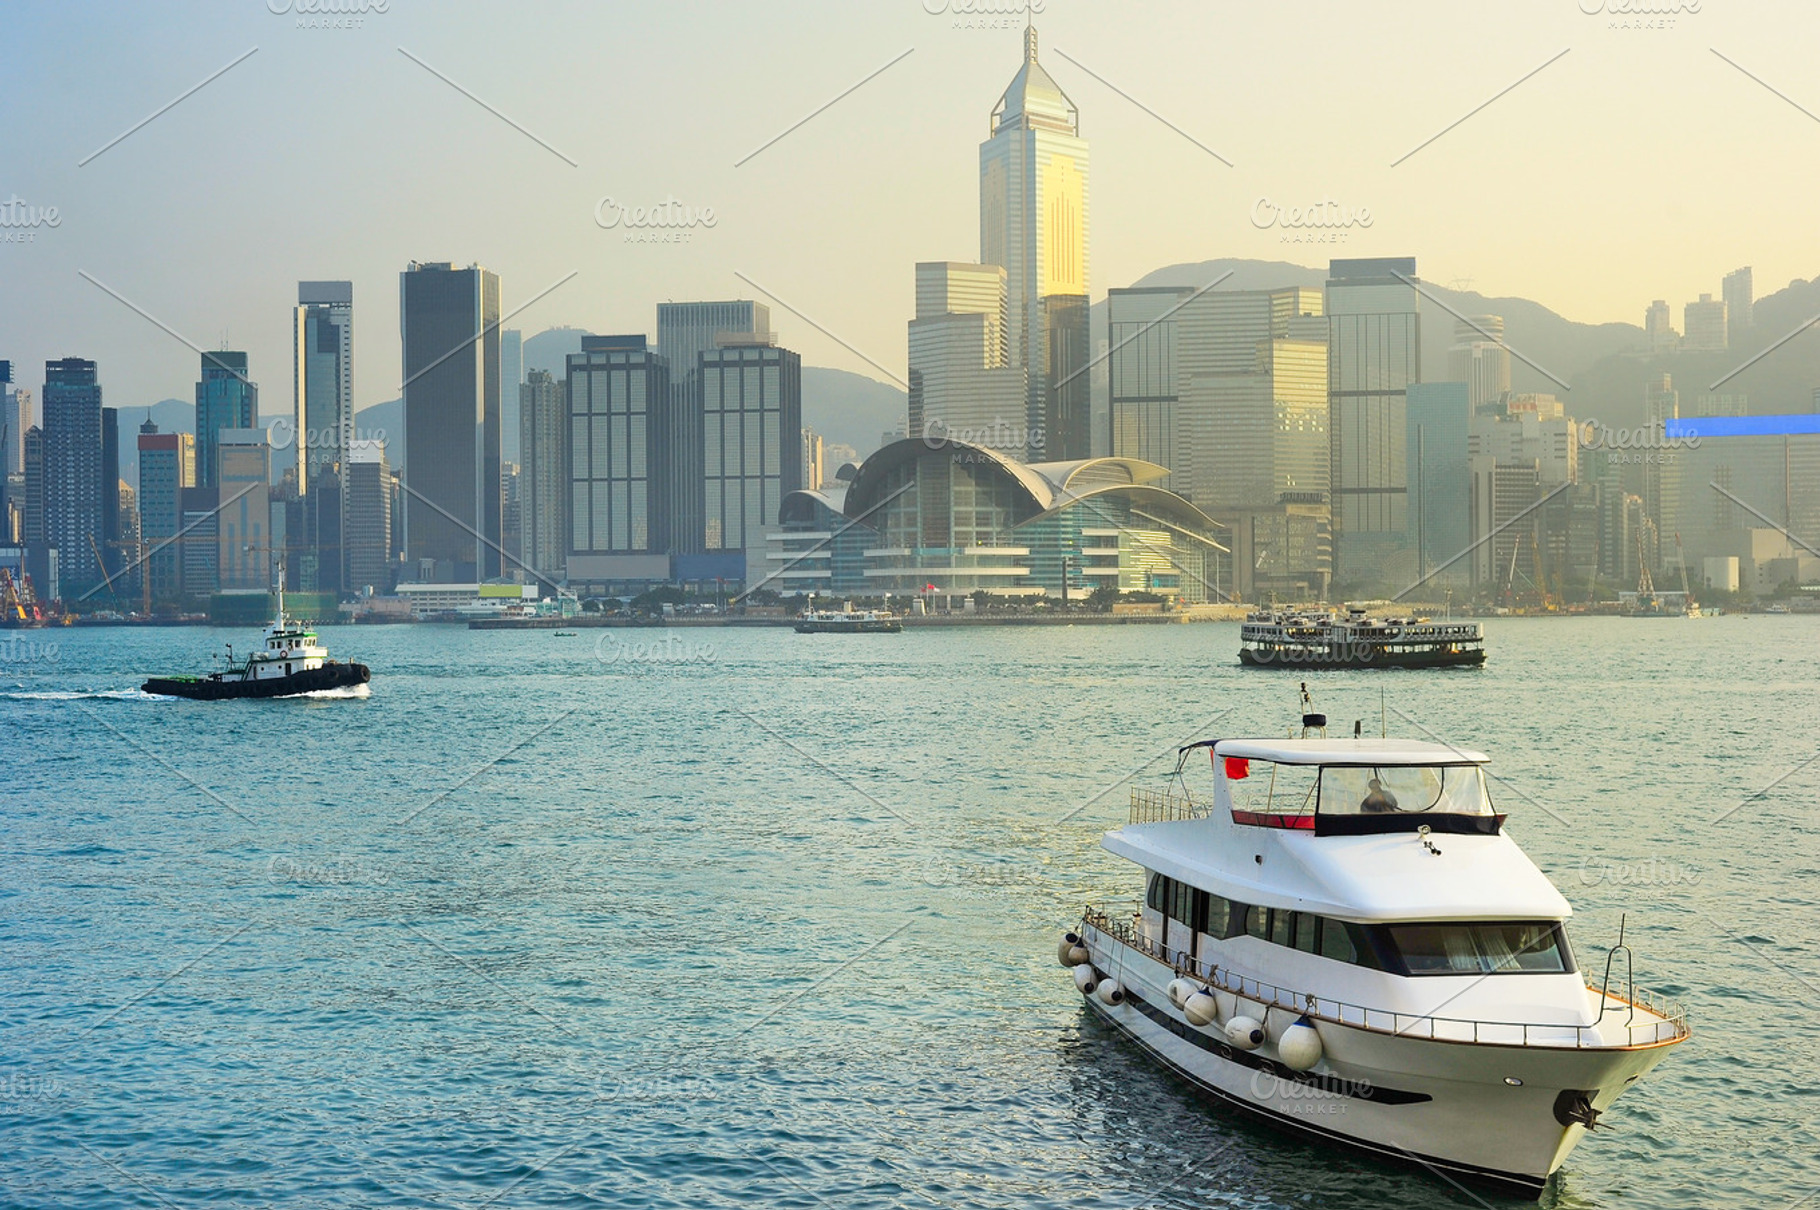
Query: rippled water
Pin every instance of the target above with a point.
(757, 917)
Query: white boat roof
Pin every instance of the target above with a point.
(1387, 877)
(1349, 752)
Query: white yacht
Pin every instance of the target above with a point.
(1340, 936)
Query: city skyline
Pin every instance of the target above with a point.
(1159, 197)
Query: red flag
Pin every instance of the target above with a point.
(1237, 768)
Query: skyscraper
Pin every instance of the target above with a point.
(1705, 324)
(454, 503)
(167, 465)
(621, 464)
(752, 420)
(961, 382)
(1740, 302)
(1479, 359)
(1659, 327)
(243, 524)
(1440, 414)
(1374, 353)
(322, 330)
(543, 482)
(368, 533)
(1141, 365)
(1034, 222)
(225, 399)
(71, 480)
(109, 537)
(511, 377)
(685, 331)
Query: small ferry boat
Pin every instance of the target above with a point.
(291, 662)
(1340, 937)
(836, 621)
(1294, 638)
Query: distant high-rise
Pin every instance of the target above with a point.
(243, 522)
(110, 537)
(1141, 364)
(686, 331)
(1705, 325)
(1740, 302)
(225, 399)
(1661, 492)
(369, 506)
(1479, 359)
(621, 464)
(72, 475)
(15, 418)
(543, 481)
(511, 377)
(454, 506)
(1034, 222)
(322, 328)
(167, 465)
(812, 460)
(961, 382)
(1374, 354)
(752, 421)
(1440, 475)
(1659, 327)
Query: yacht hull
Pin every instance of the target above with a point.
(1358, 656)
(216, 688)
(1450, 1107)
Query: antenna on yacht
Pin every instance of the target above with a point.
(1310, 720)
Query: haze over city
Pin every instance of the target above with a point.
(1639, 164)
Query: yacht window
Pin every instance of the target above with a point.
(1182, 908)
(1158, 896)
(1336, 942)
(1404, 789)
(1505, 947)
(1282, 927)
(1307, 932)
(1257, 922)
(1219, 918)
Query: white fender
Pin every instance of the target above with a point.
(1246, 1033)
(1085, 979)
(1109, 992)
(1200, 1009)
(1300, 1046)
(1071, 952)
(1179, 991)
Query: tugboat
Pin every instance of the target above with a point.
(1291, 638)
(837, 621)
(290, 663)
(1341, 939)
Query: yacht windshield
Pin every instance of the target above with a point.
(1517, 947)
(1404, 790)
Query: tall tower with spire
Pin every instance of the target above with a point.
(1033, 222)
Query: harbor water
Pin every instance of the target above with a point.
(702, 917)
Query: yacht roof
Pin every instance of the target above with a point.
(1349, 751)
(1386, 877)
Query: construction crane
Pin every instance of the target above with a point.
(18, 603)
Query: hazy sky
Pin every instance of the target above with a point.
(1640, 164)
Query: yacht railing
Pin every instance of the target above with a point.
(1164, 806)
(1670, 1022)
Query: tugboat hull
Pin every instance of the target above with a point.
(212, 688)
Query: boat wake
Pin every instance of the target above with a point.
(361, 690)
(104, 695)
